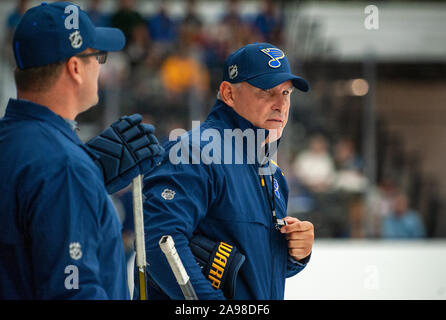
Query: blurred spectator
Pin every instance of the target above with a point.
(433, 208)
(232, 15)
(132, 25)
(161, 26)
(15, 16)
(346, 157)
(269, 23)
(181, 71)
(191, 28)
(145, 83)
(349, 167)
(402, 222)
(139, 45)
(379, 203)
(314, 167)
(96, 15)
(191, 18)
(388, 192)
(233, 31)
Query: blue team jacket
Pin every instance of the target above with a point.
(223, 202)
(60, 237)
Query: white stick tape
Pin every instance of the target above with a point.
(167, 245)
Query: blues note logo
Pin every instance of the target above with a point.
(275, 55)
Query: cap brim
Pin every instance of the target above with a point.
(270, 80)
(109, 39)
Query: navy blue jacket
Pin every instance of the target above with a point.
(223, 202)
(60, 236)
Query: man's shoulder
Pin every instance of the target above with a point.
(40, 144)
(196, 139)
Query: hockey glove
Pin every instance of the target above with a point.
(219, 261)
(124, 150)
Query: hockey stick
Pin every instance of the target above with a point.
(167, 245)
(139, 235)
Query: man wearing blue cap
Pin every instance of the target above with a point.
(60, 236)
(228, 217)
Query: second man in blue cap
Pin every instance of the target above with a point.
(225, 203)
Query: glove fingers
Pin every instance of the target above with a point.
(126, 122)
(156, 149)
(121, 125)
(143, 153)
(131, 133)
(139, 143)
(133, 119)
(152, 139)
(147, 128)
(125, 149)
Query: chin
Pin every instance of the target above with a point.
(274, 134)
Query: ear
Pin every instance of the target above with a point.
(227, 93)
(75, 69)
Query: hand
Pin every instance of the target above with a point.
(124, 150)
(300, 236)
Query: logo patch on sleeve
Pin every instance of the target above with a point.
(75, 250)
(168, 194)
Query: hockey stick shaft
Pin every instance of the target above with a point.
(167, 245)
(139, 235)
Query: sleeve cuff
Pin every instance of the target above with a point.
(303, 262)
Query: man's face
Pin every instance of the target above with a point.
(90, 84)
(267, 109)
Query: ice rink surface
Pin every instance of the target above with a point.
(366, 269)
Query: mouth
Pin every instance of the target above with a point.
(275, 120)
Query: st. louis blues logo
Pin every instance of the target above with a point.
(275, 55)
(276, 189)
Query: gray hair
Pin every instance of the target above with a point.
(236, 85)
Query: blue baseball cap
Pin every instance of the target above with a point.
(49, 33)
(262, 65)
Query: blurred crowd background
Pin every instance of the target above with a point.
(363, 152)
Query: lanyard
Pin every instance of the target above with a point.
(278, 223)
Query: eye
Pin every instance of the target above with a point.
(287, 92)
(264, 93)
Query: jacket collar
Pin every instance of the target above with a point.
(221, 111)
